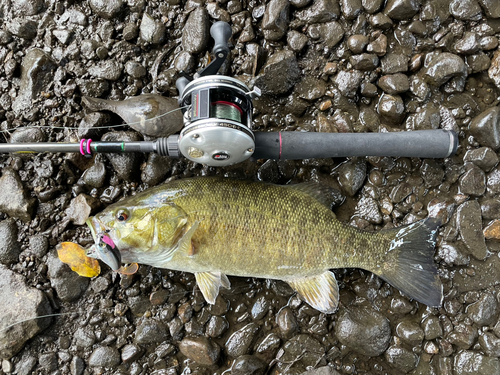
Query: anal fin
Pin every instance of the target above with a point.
(210, 283)
(319, 291)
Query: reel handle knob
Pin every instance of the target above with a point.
(221, 32)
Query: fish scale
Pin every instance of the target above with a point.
(245, 228)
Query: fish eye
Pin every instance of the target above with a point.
(122, 215)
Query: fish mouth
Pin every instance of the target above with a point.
(104, 247)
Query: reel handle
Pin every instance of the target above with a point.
(221, 32)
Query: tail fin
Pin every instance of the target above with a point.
(410, 266)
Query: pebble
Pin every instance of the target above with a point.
(84, 337)
(380, 21)
(26, 365)
(240, 341)
(27, 7)
(9, 246)
(368, 209)
(104, 356)
(494, 70)
(108, 9)
(484, 157)
(20, 303)
(150, 331)
(130, 353)
(310, 88)
(201, 350)
(248, 365)
(320, 11)
(410, 332)
(465, 10)
(156, 169)
(364, 61)
(287, 323)
(357, 43)
(478, 63)
(95, 176)
(391, 108)
(151, 31)
(276, 19)
(394, 83)
(23, 28)
(432, 328)
(48, 362)
(325, 370)
(490, 208)
(351, 175)
(492, 231)
(463, 336)
(80, 208)
(490, 344)
(216, 326)
(15, 200)
(401, 358)
(431, 172)
(130, 31)
(485, 128)
(280, 73)
(195, 34)
(73, 16)
(301, 351)
(393, 63)
(469, 225)
(372, 6)
(330, 33)
(109, 69)
(444, 67)
(348, 81)
(68, 285)
(350, 8)
(453, 254)
(90, 124)
(364, 330)
(126, 166)
(468, 44)
(473, 181)
(77, 366)
(491, 8)
(135, 69)
(296, 41)
(38, 245)
(493, 181)
(485, 311)
(468, 362)
(37, 72)
(401, 9)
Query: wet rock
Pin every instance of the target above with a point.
(19, 304)
(394, 63)
(486, 277)
(484, 157)
(432, 328)
(490, 209)
(109, 69)
(90, 124)
(260, 307)
(453, 254)
(27, 7)
(217, 13)
(493, 181)
(468, 44)
(77, 366)
(301, 351)
(23, 28)
(276, 19)
(106, 8)
(14, 200)
(130, 353)
(130, 31)
(419, 88)
(410, 332)
(126, 166)
(351, 8)
(348, 81)
(195, 34)
(320, 11)
(104, 356)
(492, 231)
(491, 8)
(296, 41)
(469, 225)
(391, 108)
(444, 67)
(494, 70)
(287, 323)
(280, 73)
(240, 341)
(156, 169)
(84, 337)
(330, 33)
(478, 63)
(367, 209)
(135, 69)
(26, 365)
(485, 128)
(48, 362)
(325, 370)
(490, 344)
(268, 172)
(95, 176)
(357, 43)
(364, 61)
(37, 72)
(201, 350)
(216, 326)
(248, 365)
(468, 10)
(427, 117)
(310, 88)
(80, 208)
(473, 181)
(380, 21)
(38, 245)
(485, 311)
(432, 173)
(401, 9)
(463, 336)
(151, 31)
(150, 331)
(394, 83)
(68, 285)
(351, 175)
(364, 330)
(401, 358)
(469, 362)
(9, 246)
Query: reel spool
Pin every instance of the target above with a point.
(218, 123)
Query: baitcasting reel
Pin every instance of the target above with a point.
(218, 122)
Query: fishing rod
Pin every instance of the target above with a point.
(217, 128)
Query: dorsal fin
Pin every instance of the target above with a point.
(326, 195)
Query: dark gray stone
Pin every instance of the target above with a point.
(367, 209)
(310, 88)
(473, 181)
(26, 365)
(95, 176)
(485, 311)
(365, 61)
(357, 43)
(109, 69)
(351, 175)
(320, 11)
(201, 350)
(135, 69)
(77, 366)
(150, 332)
(156, 169)
(391, 108)
(126, 166)
(490, 208)
(364, 330)
(490, 344)
(394, 83)
(468, 44)
(15, 200)
(469, 362)
(104, 356)
(216, 326)
(410, 332)
(23, 28)
(280, 73)
(68, 285)
(287, 323)
(491, 8)
(248, 365)
(240, 341)
(48, 361)
(276, 19)
(10, 248)
(130, 353)
(485, 128)
(348, 81)
(394, 63)
(330, 33)
(296, 41)
(401, 9)
(152, 31)
(351, 8)
(469, 225)
(108, 9)
(444, 67)
(484, 157)
(38, 245)
(465, 10)
(27, 7)
(195, 34)
(432, 328)
(401, 358)
(19, 304)
(301, 351)
(479, 62)
(493, 181)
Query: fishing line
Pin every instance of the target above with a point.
(95, 127)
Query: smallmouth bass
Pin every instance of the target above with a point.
(215, 227)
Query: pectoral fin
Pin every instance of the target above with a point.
(185, 243)
(320, 291)
(210, 283)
